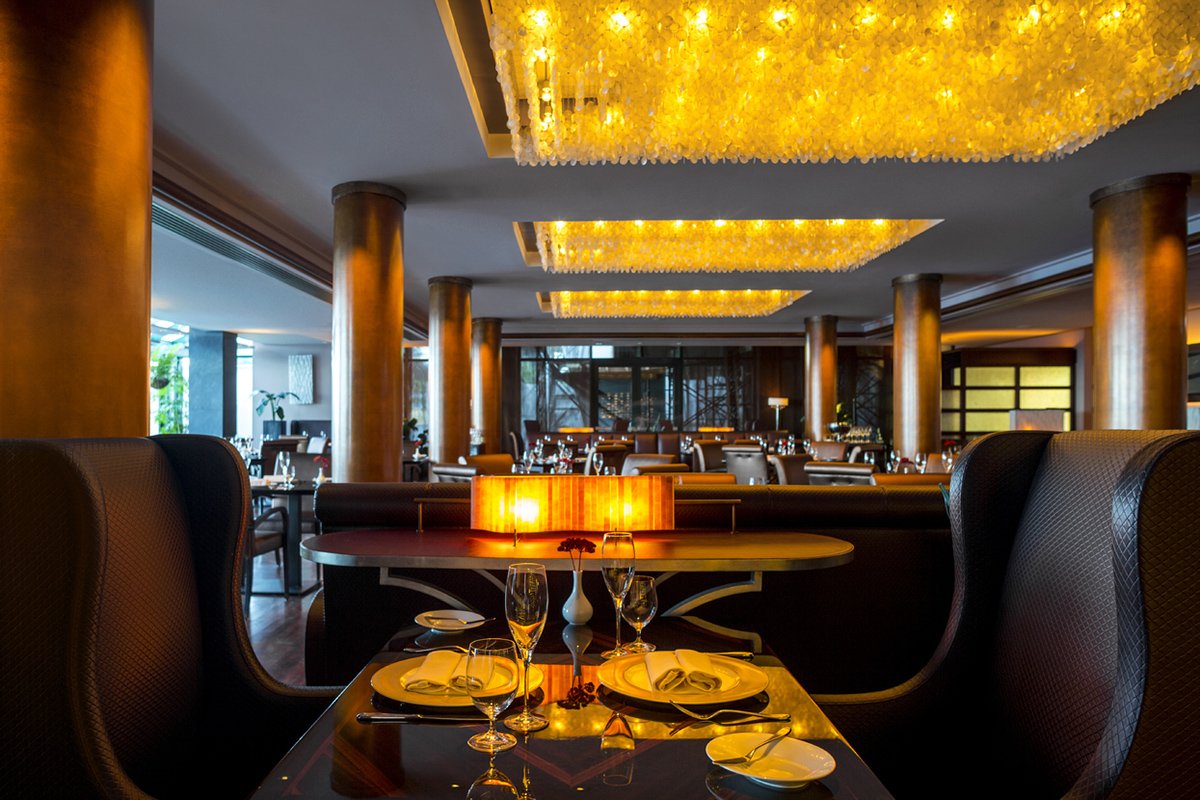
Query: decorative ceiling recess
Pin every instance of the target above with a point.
(669, 303)
(630, 81)
(741, 245)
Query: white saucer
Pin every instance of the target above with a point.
(454, 620)
(788, 764)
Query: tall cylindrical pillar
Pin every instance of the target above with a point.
(917, 364)
(486, 380)
(75, 124)
(1139, 230)
(368, 332)
(820, 376)
(449, 368)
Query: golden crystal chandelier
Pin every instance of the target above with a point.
(628, 81)
(791, 245)
(668, 303)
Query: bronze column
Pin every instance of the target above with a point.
(917, 364)
(1139, 233)
(75, 124)
(368, 332)
(449, 369)
(486, 380)
(820, 376)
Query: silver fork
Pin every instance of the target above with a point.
(739, 712)
(748, 757)
(455, 647)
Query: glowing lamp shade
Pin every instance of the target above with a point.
(538, 503)
(777, 402)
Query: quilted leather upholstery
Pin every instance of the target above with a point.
(1062, 622)
(122, 626)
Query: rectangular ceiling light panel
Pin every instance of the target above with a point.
(791, 245)
(629, 81)
(669, 303)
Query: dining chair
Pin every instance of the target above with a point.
(829, 451)
(635, 461)
(838, 473)
(708, 456)
(789, 469)
(746, 462)
(1068, 664)
(489, 463)
(128, 668)
(611, 455)
(267, 534)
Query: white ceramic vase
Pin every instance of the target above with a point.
(577, 610)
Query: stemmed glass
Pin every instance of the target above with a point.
(484, 658)
(526, 600)
(283, 461)
(921, 459)
(492, 785)
(641, 604)
(617, 558)
(948, 459)
(893, 460)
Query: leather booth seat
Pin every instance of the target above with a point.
(864, 625)
(838, 473)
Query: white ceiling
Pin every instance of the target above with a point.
(276, 101)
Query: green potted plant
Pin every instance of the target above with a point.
(273, 427)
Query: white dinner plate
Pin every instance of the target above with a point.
(449, 620)
(787, 764)
(389, 682)
(739, 680)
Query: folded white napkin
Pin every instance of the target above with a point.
(258, 481)
(442, 672)
(682, 671)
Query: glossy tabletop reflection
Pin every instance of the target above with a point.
(610, 747)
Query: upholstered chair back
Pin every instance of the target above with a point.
(746, 462)
(1071, 648)
(789, 470)
(707, 455)
(126, 660)
(829, 451)
(635, 461)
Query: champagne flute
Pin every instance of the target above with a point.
(641, 604)
(526, 601)
(617, 558)
(491, 684)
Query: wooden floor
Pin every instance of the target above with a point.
(276, 624)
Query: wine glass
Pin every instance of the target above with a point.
(893, 460)
(282, 462)
(921, 459)
(641, 604)
(598, 464)
(617, 558)
(948, 459)
(490, 692)
(526, 601)
(492, 785)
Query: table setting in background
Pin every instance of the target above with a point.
(678, 709)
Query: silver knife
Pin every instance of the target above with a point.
(376, 717)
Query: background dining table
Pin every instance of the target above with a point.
(294, 532)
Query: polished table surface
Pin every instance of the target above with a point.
(691, 551)
(340, 757)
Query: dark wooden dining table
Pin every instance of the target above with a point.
(291, 545)
(662, 756)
